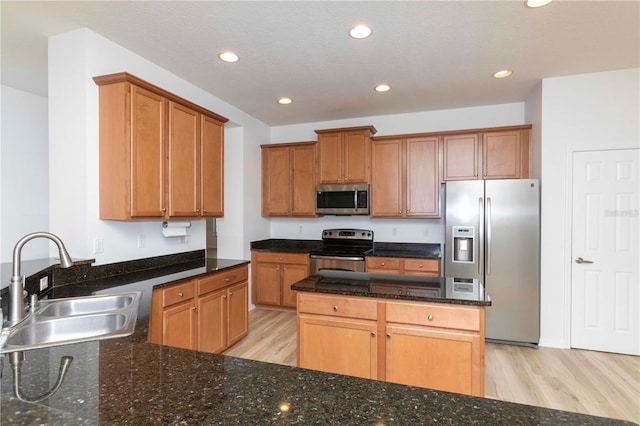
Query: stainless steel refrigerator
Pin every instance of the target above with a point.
(493, 234)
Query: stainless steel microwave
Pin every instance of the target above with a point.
(347, 199)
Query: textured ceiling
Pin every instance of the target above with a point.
(434, 54)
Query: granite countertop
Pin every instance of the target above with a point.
(130, 381)
(404, 287)
(380, 249)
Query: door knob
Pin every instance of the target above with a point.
(581, 260)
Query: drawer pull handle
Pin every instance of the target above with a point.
(430, 317)
(335, 308)
(181, 294)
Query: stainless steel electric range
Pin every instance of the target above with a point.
(342, 250)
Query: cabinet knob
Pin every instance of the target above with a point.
(204, 211)
(373, 334)
(224, 296)
(181, 294)
(230, 294)
(420, 266)
(381, 263)
(335, 308)
(164, 210)
(430, 317)
(228, 279)
(408, 211)
(194, 308)
(388, 335)
(400, 211)
(277, 268)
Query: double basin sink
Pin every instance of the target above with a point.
(72, 320)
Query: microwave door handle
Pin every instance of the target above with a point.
(355, 199)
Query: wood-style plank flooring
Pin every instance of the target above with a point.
(588, 382)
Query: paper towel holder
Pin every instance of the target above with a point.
(182, 223)
(176, 228)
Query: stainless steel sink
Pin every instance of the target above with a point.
(73, 320)
(85, 305)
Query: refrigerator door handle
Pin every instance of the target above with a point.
(480, 236)
(488, 269)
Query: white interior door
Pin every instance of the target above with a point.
(605, 295)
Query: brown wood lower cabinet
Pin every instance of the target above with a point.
(272, 276)
(207, 314)
(438, 346)
(403, 266)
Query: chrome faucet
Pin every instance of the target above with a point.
(16, 287)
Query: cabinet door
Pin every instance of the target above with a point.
(437, 359)
(502, 155)
(460, 157)
(276, 181)
(212, 167)
(212, 321)
(268, 283)
(386, 178)
(337, 345)
(291, 274)
(147, 153)
(303, 161)
(330, 158)
(423, 178)
(184, 164)
(179, 326)
(356, 146)
(238, 312)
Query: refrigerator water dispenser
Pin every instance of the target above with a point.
(463, 243)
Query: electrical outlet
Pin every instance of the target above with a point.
(141, 241)
(44, 283)
(300, 230)
(98, 245)
(394, 231)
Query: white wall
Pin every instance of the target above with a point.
(391, 230)
(533, 116)
(24, 173)
(74, 58)
(581, 112)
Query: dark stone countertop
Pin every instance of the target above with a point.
(128, 381)
(381, 249)
(402, 287)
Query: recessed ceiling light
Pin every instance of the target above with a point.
(538, 3)
(502, 73)
(284, 101)
(382, 88)
(360, 31)
(229, 57)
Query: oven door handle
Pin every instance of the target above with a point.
(319, 256)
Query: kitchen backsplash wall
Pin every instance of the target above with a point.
(387, 230)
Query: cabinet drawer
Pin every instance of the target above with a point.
(391, 263)
(338, 306)
(177, 293)
(463, 318)
(222, 279)
(422, 265)
(278, 257)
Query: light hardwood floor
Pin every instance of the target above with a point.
(588, 382)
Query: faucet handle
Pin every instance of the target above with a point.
(33, 302)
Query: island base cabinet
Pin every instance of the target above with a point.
(225, 314)
(338, 345)
(442, 360)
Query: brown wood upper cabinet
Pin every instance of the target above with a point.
(405, 178)
(161, 156)
(500, 154)
(288, 179)
(344, 154)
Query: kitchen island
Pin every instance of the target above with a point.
(130, 381)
